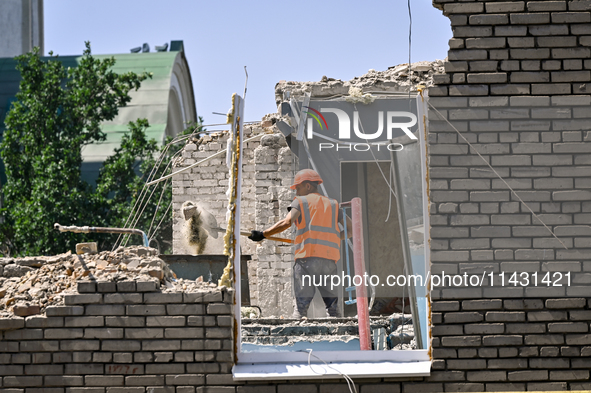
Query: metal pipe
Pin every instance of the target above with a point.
(87, 229)
(361, 290)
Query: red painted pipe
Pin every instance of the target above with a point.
(360, 290)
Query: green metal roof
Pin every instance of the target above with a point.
(150, 101)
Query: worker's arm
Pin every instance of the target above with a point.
(349, 228)
(284, 224)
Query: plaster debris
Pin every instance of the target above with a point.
(356, 95)
(29, 285)
(394, 79)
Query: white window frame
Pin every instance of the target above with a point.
(256, 366)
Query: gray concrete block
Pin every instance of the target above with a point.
(486, 376)
(505, 7)
(125, 321)
(473, 90)
(93, 298)
(502, 340)
(185, 309)
(120, 345)
(218, 308)
(106, 286)
(123, 298)
(166, 321)
(126, 286)
(528, 375)
(144, 333)
(64, 333)
(163, 298)
(566, 303)
(104, 380)
(461, 341)
(43, 322)
(161, 345)
(146, 286)
(534, 6)
(98, 321)
(105, 309)
(80, 345)
(546, 339)
(86, 286)
(571, 17)
(185, 379)
(63, 380)
(186, 332)
(21, 381)
(212, 297)
(52, 311)
(463, 8)
(44, 369)
(466, 364)
(549, 363)
(535, 18)
(147, 310)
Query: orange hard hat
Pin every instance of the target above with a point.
(306, 175)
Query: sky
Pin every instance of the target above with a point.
(275, 40)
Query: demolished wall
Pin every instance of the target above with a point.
(267, 174)
(268, 169)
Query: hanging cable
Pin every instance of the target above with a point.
(375, 159)
(143, 190)
(348, 379)
(391, 177)
(157, 206)
(409, 48)
(139, 216)
(498, 175)
(162, 219)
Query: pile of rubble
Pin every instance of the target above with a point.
(396, 330)
(394, 79)
(28, 285)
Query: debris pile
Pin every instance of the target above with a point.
(28, 285)
(397, 331)
(394, 79)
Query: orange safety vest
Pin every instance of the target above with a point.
(318, 233)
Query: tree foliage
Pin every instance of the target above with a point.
(57, 112)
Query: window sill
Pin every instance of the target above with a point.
(369, 364)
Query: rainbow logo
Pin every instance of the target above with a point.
(308, 109)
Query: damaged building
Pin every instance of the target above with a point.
(507, 163)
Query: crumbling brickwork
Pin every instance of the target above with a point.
(516, 87)
(133, 341)
(267, 174)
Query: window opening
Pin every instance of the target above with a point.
(371, 153)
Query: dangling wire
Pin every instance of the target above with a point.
(391, 177)
(409, 47)
(350, 383)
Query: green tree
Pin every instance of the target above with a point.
(57, 112)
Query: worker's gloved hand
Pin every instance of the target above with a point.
(256, 236)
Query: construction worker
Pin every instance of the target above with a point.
(317, 243)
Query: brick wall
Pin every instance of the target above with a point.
(130, 341)
(517, 89)
(268, 168)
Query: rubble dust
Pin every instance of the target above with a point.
(31, 282)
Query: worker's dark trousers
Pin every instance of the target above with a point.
(309, 274)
